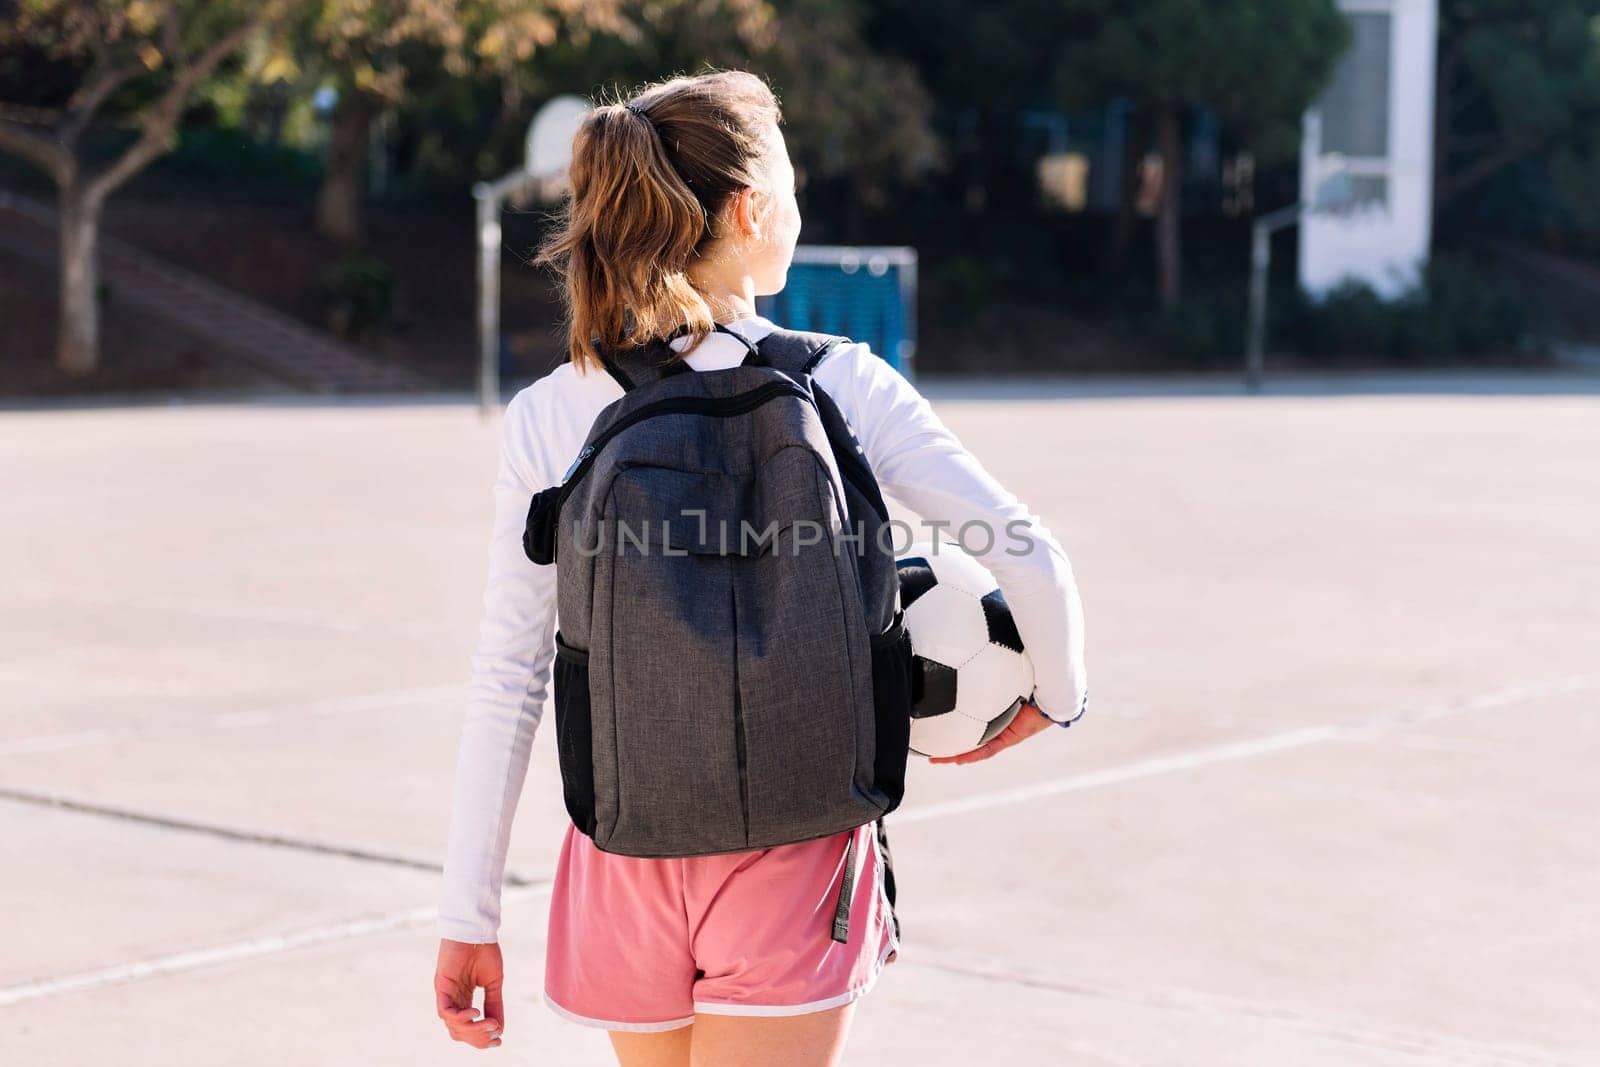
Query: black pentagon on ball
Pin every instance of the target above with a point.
(916, 578)
(933, 688)
(1000, 722)
(1002, 627)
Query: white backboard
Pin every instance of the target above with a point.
(549, 145)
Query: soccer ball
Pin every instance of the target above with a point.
(970, 671)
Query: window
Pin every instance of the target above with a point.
(1355, 107)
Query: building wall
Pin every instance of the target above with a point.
(1374, 124)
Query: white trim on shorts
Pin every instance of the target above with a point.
(711, 1008)
(608, 1024)
(741, 1008)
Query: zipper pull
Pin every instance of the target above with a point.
(588, 450)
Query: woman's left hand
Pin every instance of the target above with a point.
(1027, 722)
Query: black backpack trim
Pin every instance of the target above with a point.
(645, 369)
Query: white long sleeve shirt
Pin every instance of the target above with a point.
(918, 462)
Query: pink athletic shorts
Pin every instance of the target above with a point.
(642, 944)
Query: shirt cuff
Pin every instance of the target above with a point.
(462, 930)
(1083, 705)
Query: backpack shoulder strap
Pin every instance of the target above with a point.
(797, 352)
(655, 359)
(634, 367)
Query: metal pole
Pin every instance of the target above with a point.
(1260, 261)
(1260, 269)
(488, 298)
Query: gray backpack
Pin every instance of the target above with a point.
(731, 671)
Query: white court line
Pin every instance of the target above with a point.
(231, 719)
(239, 950)
(1233, 750)
(1143, 769)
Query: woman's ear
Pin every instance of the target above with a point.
(750, 211)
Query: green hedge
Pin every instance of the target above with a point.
(1456, 312)
(358, 295)
(235, 161)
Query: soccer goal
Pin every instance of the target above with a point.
(868, 293)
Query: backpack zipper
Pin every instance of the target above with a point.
(716, 406)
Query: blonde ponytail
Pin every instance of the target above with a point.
(648, 178)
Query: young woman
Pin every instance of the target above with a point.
(682, 211)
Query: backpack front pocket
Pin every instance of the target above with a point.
(574, 733)
(670, 664)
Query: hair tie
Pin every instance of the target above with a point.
(637, 110)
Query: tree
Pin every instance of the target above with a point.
(367, 51)
(1515, 79)
(162, 50)
(851, 114)
(982, 64)
(1257, 63)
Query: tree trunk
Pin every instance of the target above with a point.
(78, 323)
(341, 200)
(1169, 248)
(81, 196)
(1133, 151)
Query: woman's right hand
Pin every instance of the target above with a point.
(1029, 721)
(461, 969)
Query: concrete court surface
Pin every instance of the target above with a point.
(1335, 799)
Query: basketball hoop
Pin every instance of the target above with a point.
(1334, 194)
(547, 153)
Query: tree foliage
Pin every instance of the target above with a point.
(851, 112)
(1257, 64)
(369, 49)
(1518, 79)
(152, 55)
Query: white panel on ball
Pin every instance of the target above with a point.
(996, 669)
(971, 669)
(946, 625)
(946, 735)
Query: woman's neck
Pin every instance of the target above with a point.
(732, 311)
(728, 302)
